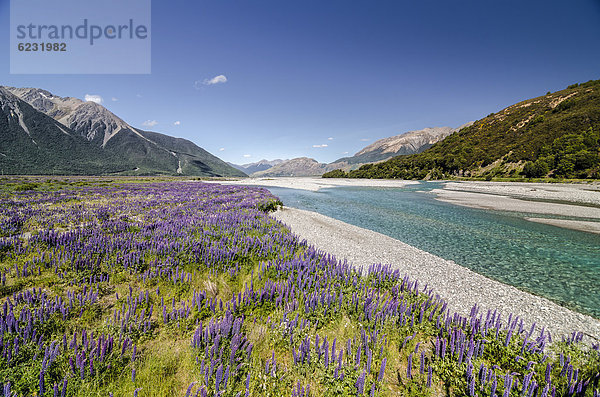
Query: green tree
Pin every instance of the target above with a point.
(536, 169)
(335, 174)
(566, 165)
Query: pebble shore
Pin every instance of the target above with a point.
(459, 286)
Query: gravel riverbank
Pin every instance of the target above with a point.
(572, 200)
(315, 183)
(574, 193)
(459, 286)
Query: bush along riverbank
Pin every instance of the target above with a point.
(183, 289)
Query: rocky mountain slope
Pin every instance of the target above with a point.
(142, 152)
(34, 143)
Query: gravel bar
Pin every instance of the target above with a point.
(459, 286)
(316, 183)
(575, 193)
(504, 203)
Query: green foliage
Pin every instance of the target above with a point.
(336, 174)
(536, 169)
(25, 186)
(270, 205)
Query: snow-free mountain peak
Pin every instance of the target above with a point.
(90, 119)
(138, 152)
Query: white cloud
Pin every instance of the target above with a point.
(93, 98)
(114, 99)
(365, 139)
(247, 155)
(177, 122)
(220, 79)
(320, 146)
(345, 153)
(149, 123)
(138, 95)
(330, 139)
(221, 149)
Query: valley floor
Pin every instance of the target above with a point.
(315, 183)
(459, 286)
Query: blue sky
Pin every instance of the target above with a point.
(304, 74)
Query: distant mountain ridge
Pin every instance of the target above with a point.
(262, 165)
(403, 144)
(140, 152)
(301, 166)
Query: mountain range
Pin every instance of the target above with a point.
(555, 135)
(41, 133)
(404, 144)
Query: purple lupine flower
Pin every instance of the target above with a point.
(63, 393)
(226, 376)
(472, 387)
(7, 385)
(526, 380)
(570, 373)
(494, 387)
(547, 374)
(429, 376)
(360, 384)
(333, 350)
(218, 378)
(41, 383)
(382, 370)
(189, 389)
(507, 385)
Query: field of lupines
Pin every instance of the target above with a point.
(141, 288)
